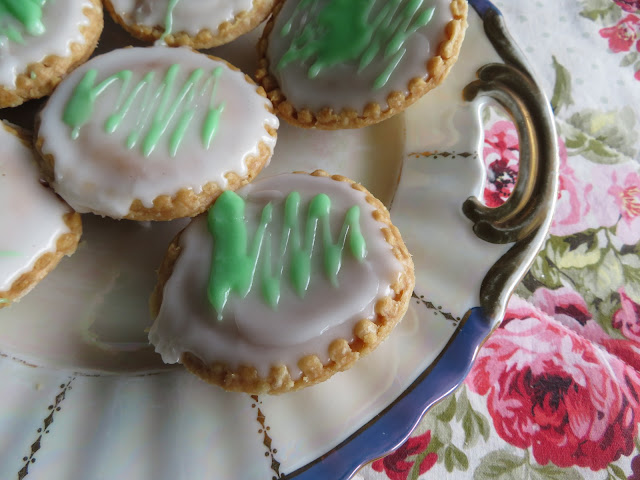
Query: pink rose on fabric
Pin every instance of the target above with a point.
(627, 198)
(627, 318)
(562, 304)
(626, 350)
(566, 306)
(622, 35)
(629, 5)
(573, 207)
(572, 215)
(552, 391)
(397, 467)
(615, 199)
(501, 154)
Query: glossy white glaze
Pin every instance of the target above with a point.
(105, 314)
(343, 85)
(170, 425)
(189, 16)
(98, 172)
(62, 21)
(250, 331)
(32, 215)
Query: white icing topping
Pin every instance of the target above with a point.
(189, 16)
(32, 215)
(98, 172)
(62, 21)
(251, 332)
(342, 86)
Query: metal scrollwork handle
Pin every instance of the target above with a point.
(526, 215)
(531, 198)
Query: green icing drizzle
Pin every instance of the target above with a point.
(166, 109)
(17, 15)
(342, 31)
(236, 258)
(168, 19)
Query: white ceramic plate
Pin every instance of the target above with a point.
(85, 397)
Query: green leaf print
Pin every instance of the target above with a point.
(450, 411)
(591, 265)
(586, 237)
(474, 424)
(463, 404)
(445, 409)
(440, 431)
(527, 286)
(602, 137)
(455, 459)
(603, 277)
(440, 420)
(443, 432)
(617, 472)
(552, 472)
(629, 59)
(562, 88)
(575, 251)
(501, 465)
(598, 285)
(604, 11)
(544, 273)
(631, 269)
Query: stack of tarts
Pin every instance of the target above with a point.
(275, 284)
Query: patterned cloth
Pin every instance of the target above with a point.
(555, 391)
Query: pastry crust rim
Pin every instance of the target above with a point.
(437, 68)
(52, 69)
(168, 207)
(66, 243)
(228, 31)
(343, 354)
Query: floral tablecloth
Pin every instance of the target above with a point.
(555, 391)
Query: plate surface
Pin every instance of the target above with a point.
(85, 397)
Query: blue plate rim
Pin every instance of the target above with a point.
(382, 434)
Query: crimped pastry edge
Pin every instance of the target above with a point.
(50, 71)
(228, 31)
(66, 243)
(368, 334)
(437, 68)
(185, 202)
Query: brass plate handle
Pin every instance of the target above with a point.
(529, 203)
(526, 215)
